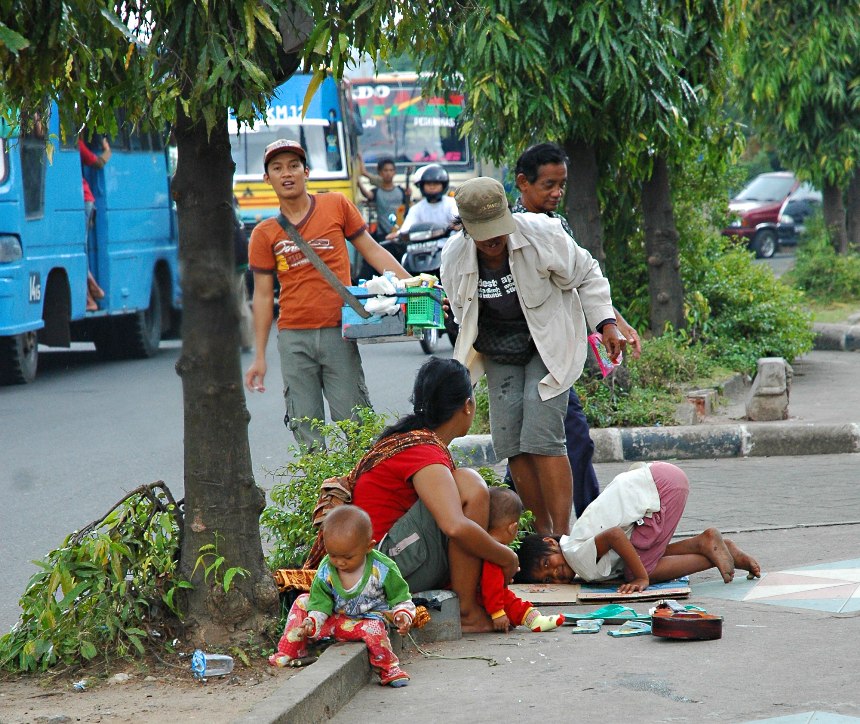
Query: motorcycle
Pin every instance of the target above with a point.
(423, 255)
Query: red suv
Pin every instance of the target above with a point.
(755, 211)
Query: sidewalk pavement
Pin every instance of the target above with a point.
(788, 500)
(824, 418)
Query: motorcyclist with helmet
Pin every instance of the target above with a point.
(436, 207)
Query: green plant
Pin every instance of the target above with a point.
(212, 562)
(99, 593)
(287, 522)
(611, 406)
(481, 421)
(819, 271)
(753, 314)
(671, 361)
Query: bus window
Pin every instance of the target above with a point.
(326, 130)
(397, 121)
(4, 161)
(322, 141)
(33, 161)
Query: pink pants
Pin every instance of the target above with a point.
(651, 538)
(342, 628)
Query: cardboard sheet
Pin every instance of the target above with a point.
(605, 592)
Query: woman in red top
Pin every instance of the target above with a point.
(429, 516)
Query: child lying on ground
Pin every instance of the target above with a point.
(506, 610)
(626, 531)
(356, 589)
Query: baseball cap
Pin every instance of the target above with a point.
(280, 146)
(483, 208)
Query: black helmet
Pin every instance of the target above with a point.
(433, 173)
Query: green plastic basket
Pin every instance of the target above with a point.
(424, 308)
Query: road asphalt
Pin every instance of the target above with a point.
(789, 495)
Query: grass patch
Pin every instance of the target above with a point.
(833, 312)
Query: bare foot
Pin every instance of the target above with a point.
(714, 548)
(742, 560)
(479, 622)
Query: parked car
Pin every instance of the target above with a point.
(795, 212)
(756, 211)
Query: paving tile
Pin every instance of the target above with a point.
(833, 587)
(808, 717)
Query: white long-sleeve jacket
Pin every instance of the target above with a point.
(559, 285)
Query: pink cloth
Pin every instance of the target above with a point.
(651, 538)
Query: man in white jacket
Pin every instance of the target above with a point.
(522, 290)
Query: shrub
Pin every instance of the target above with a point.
(611, 406)
(752, 314)
(287, 522)
(823, 274)
(671, 361)
(103, 590)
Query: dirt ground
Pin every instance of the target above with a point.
(153, 694)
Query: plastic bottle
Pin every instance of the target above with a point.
(205, 665)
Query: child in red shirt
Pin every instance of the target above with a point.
(506, 609)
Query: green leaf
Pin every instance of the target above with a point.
(250, 26)
(230, 574)
(266, 21)
(114, 20)
(12, 40)
(135, 641)
(315, 83)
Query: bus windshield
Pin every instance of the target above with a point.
(321, 131)
(398, 122)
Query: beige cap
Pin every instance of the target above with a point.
(483, 208)
(282, 145)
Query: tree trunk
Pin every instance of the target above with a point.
(834, 217)
(222, 501)
(661, 247)
(582, 207)
(852, 210)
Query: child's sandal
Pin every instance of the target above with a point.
(394, 679)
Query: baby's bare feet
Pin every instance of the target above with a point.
(742, 560)
(717, 552)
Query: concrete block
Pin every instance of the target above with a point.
(682, 443)
(768, 439)
(829, 336)
(444, 609)
(768, 396)
(608, 446)
(686, 413)
(735, 386)
(852, 339)
(316, 693)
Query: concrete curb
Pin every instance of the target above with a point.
(687, 442)
(316, 693)
(844, 337)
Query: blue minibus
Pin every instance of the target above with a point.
(48, 247)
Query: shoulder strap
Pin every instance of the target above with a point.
(393, 444)
(322, 267)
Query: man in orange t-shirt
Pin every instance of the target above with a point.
(315, 359)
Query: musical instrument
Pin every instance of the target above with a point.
(672, 621)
